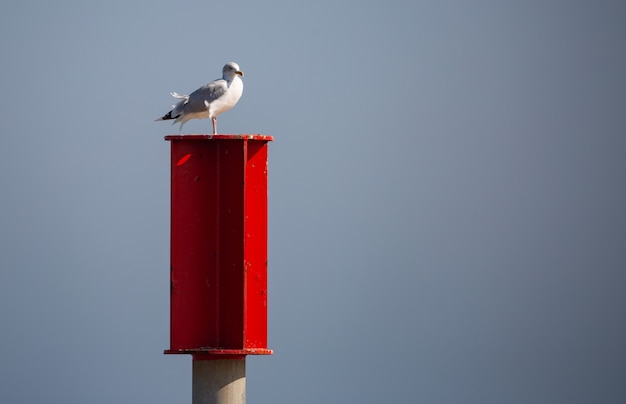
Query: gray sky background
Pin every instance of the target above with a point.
(447, 197)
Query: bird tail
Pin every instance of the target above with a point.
(166, 117)
(176, 109)
(180, 96)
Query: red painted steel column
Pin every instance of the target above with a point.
(219, 245)
(218, 271)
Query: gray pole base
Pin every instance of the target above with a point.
(219, 381)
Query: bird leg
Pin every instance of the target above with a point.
(214, 120)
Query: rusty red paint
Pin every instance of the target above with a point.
(218, 306)
(220, 354)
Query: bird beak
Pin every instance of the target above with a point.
(239, 72)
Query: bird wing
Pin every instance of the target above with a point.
(207, 93)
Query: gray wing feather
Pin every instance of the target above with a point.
(208, 93)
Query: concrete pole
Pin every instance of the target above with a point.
(219, 381)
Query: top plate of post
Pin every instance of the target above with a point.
(220, 137)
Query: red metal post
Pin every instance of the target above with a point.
(218, 246)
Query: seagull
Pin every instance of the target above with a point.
(210, 100)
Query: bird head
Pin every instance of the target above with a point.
(231, 69)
